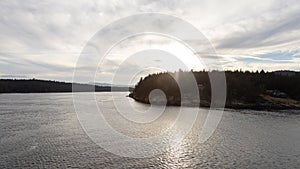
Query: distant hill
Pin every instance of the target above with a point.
(101, 84)
(44, 86)
(286, 72)
(111, 85)
(254, 90)
(14, 77)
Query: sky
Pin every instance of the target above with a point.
(43, 39)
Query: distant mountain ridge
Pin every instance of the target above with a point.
(111, 85)
(286, 72)
(13, 77)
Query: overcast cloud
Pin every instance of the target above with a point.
(43, 38)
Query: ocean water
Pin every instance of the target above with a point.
(43, 131)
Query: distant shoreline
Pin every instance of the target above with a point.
(8, 86)
(64, 92)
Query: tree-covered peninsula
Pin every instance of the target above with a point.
(250, 90)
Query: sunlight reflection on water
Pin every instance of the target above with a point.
(42, 130)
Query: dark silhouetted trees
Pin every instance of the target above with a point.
(44, 86)
(243, 87)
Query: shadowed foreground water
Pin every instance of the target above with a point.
(42, 131)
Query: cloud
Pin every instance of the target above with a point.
(44, 38)
(268, 34)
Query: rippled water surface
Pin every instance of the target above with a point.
(42, 131)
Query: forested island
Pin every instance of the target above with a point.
(47, 86)
(245, 90)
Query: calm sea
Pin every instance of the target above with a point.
(42, 131)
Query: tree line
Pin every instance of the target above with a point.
(45, 86)
(242, 86)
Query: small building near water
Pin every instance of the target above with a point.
(277, 93)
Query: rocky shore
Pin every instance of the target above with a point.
(266, 103)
